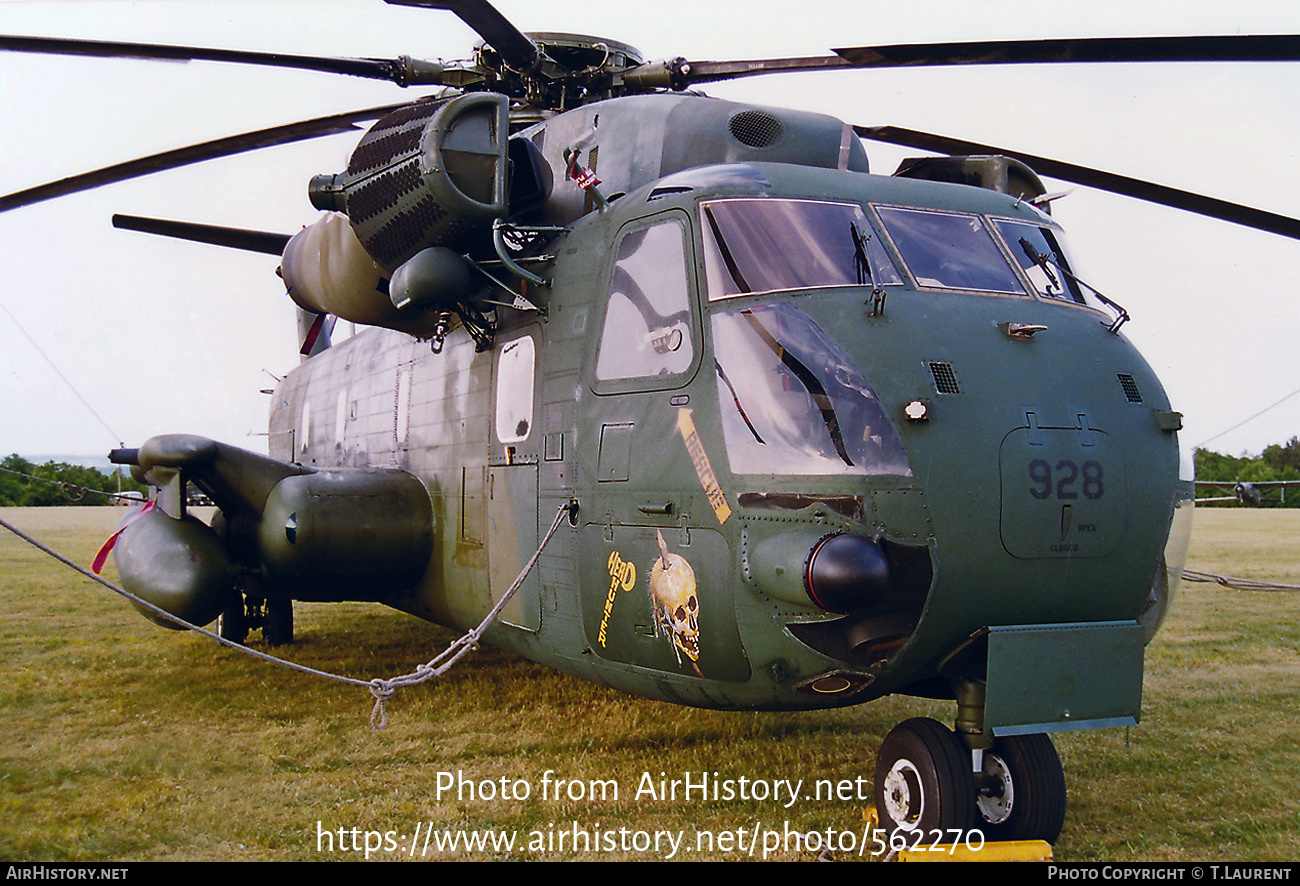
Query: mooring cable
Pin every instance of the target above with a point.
(381, 689)
(1238, 584)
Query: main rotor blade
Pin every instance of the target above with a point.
(1231, 48)
(235, 238)
(1094, 178)
(371, 68)
(688, 72)
(515, 48)
(222, 147)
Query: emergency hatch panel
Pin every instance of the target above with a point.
(1063, 492)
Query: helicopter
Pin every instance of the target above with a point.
(727, 350)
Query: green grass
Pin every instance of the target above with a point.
(128, 742)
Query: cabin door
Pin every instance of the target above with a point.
(650, 550)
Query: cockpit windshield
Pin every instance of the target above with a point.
(949, 250)
(766, 245)
(1041, 258)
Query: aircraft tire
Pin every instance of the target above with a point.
(923, 779)
(1031, 802)
(277, 624)
(232, 623)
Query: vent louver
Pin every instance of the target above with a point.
(945, 380)
(1130, 387)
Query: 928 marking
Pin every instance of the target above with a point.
(1066, 480)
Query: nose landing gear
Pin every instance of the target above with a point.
(1021, 789)
(924, 779)
(928, 780)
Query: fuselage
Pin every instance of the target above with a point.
(721, 381)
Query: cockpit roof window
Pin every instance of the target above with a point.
(949, 250)
(769, 244)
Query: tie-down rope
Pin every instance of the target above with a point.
(381, 689)
(1238, 584)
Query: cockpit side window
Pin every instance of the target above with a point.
(949, 250)
(648, 327)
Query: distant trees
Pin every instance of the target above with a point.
(1276, 462)
(23, 484)
(1285, 457)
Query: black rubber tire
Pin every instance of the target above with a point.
(1032, 807)
(277, 621)
(232, 623)
(923, 779)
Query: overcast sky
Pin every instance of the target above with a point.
(163, 336)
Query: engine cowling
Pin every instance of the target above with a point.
(430, 174)
(422, 190)
(327, 271)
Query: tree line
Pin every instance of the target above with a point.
(28, 485)
(1276, 462)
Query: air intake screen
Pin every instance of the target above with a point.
(432, 174)
(757, 129)
(1130, 387)
(945, 380)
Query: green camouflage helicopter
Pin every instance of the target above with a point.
(806, 423)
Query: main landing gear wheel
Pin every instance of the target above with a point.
(277, 621)
(232, 623)
(1025, 795)
(923, 779)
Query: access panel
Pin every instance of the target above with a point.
(1063, 492)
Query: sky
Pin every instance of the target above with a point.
(162, 336)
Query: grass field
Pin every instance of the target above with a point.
(128, 742)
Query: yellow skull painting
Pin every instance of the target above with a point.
(676, 605)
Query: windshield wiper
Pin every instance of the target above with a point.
(1041, 260)
(1046, 263)
(865, 269)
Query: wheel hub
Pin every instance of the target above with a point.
(996, 801)
(904, 798)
